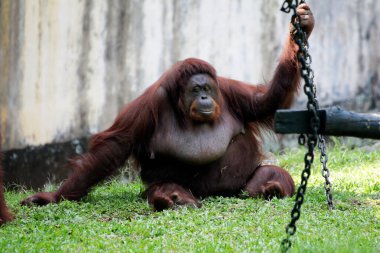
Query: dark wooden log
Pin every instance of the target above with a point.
(334, 121)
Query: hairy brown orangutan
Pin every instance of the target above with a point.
(194, 134)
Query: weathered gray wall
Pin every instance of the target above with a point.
(67, 66)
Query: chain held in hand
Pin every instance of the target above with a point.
(311, 140)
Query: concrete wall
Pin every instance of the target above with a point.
(68, 66)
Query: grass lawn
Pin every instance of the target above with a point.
(113, 218)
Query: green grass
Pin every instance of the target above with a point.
(113, 218)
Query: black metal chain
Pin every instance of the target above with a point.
(325, 172)
(304, 58)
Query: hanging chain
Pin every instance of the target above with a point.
(312, 139)
(325, 172)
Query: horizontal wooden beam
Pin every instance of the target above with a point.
(333, 121)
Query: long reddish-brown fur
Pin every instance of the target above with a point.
(132, 130)
(5, 215)
(161, 110)
(169, 195)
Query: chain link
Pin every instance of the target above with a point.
(325, 172)
(312, 139)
